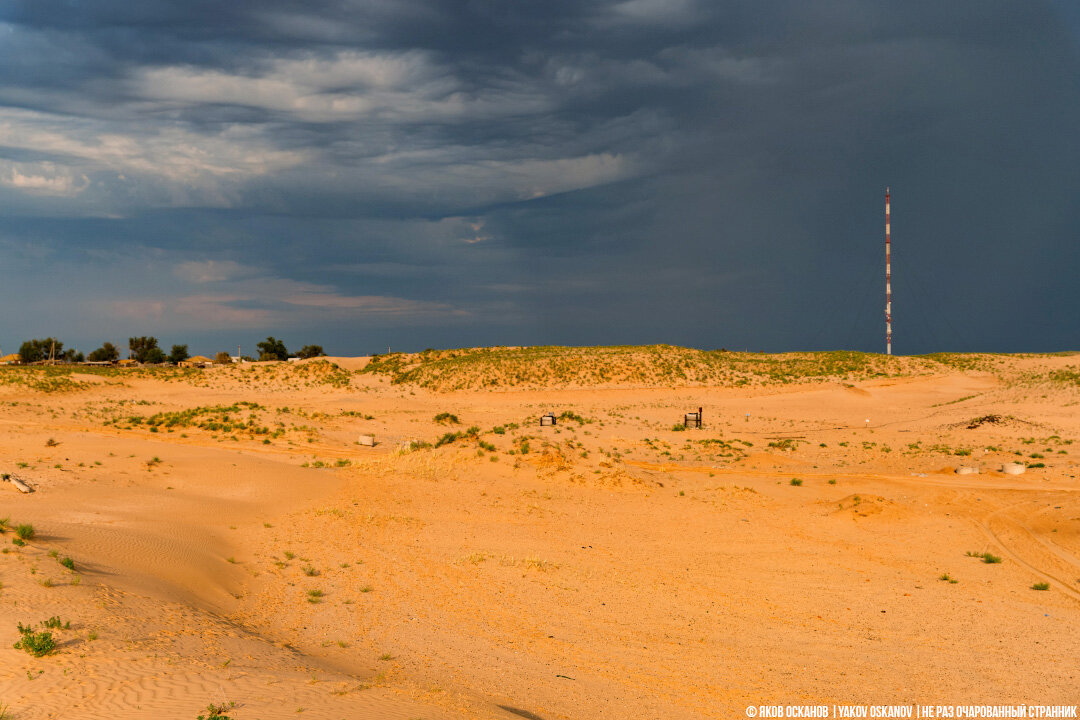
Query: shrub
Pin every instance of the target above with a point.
(24, 532)
(447, 419)
(67, 562)
(796, 482)
(1041, 586)
(217, 712)
(38, 644)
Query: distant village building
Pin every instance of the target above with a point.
(196, 361)
(12, 359)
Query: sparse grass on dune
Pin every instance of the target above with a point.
(46, 379)
(245, 419)
(647, 365)
(59, 378)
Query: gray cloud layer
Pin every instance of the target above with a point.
(453, 173)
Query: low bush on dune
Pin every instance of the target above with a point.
(452, 437)
(38, 644)
(573, 416)
(24, 532)
(217, 712)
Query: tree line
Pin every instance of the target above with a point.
(145, 350)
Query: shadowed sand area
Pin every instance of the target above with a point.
(233, 543)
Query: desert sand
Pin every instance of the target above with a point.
(811, 543)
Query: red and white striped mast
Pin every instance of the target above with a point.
(888, 278)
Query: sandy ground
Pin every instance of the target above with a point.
(619, 568)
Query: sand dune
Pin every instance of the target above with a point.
(233, 543)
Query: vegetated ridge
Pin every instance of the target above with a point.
(650, 365)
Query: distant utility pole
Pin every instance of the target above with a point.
(888, 277)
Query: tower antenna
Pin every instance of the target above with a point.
(888, 277)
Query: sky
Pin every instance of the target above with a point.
(453, 173)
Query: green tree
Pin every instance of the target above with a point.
(179, 354)
(106, 353)
(310, 351)
(222, 358)
(155, 356)
(141, 348)
(37, 350)
(272, 349)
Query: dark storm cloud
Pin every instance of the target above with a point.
(454, 173)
